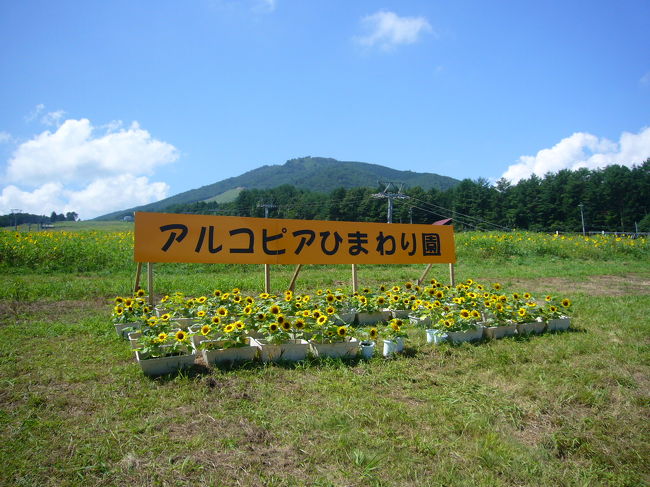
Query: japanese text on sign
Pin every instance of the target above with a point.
(166, 237)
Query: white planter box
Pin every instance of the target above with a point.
(291, 351)
(559, 324)
(402, 314)
(466, 336)
(246, 353)
(497, 332)
(420, 321)
(164, 365)
(345, 318)
(364, 318)
(346, 349)
(534, 327)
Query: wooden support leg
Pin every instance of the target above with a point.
(292, 284)
(267, 278)
(138, 273)
(355, 283)
(150, 282)
(424, 274)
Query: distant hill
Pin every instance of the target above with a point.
(313, 173)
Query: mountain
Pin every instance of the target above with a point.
(313, 173)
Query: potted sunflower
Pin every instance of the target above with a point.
(164, 353)
(220, 343)
(556, 314)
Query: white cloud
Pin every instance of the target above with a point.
(583, 150)
(100, 196)
(38, 109)
(53, 119)
(72, 169)
(73, 154)
(5, 138)
(387, 30)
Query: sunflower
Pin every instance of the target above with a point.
(165, 317)
(236, 290)
(273, 327)
(522, 312)
(322, 319)
(119, 300)
(475, 314)
(215, 320)
(221, 311)
(264, 296)
(330, 298)
(286, 325)
(201, 300)
(373, 333)
(118, 310)
(216, 293)
(439, 294)
(548, 298)
(330, 310)
(200, 314)
(275, 310)
(139, 293)
(527, 296)
(299, 324)
(239, 325)
(516, 296)
(341, 331)
(260, 316)
(206, 329)
(464, 313)
(280, 319)
(395, 326)
(237, 298)
(496, 285)
(306, 313)
(153, 321)
(316, 314)
(162, 336)
(247, 310)
(566, 302)
(180, 335)
(229, 328)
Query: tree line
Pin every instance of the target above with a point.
(13, 219)
(614, 198)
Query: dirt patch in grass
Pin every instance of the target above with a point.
(595, 285)
(15, 312)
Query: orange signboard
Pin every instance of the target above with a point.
(169, 237)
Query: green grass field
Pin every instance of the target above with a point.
(557, 409)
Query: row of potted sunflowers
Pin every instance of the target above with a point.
(217, 324)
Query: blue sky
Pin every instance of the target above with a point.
(107, 105)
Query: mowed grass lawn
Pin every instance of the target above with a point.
(557, 409)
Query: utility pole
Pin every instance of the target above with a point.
(582, 217)
(266, 207)
(14, 212)
(386, 193)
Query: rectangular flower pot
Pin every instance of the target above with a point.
(164, 365)
(420, 321)
(291, 351)
(466, 336)
(345, 318)
(344, 349)
(402, 314)
(531, 328)
(558, 324)
(497, 332)
(134, 339)
(364, 318)
(246, 353)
